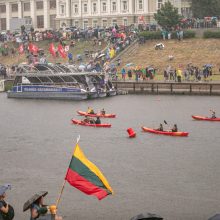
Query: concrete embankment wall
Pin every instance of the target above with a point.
(168, 88)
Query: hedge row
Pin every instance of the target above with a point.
(154, 35)
(211, 34)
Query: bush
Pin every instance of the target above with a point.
(154, 35)
(211, 34)
(151, 35)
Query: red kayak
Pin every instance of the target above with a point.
(201, 118)
(170, 133)
(79, 122)
(96, 115)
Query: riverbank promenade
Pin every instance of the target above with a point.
(172, 88)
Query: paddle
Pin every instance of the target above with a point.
(165, 122)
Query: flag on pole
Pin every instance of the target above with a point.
(52, 50)
(86, 177)
(61, 51)
(33, 48)
(21, 49)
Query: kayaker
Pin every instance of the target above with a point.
(91, 121)
(6, 211)
(98, 121)
(160, 128)
(39, 209)
(213, 114)
(102, 111)
(174, 129)
(86, 120)
(90, 111)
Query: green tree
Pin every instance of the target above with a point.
(205, 8)
(167, 17)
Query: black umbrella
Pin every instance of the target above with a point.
(147, 216)
(215, 217)
(34, 198)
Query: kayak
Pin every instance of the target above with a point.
(79, 122)
(96, 115)
(205, 118)
(170, 133)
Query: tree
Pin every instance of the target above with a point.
(205, 8)
(22, 29)
(167, 17)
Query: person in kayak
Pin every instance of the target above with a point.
(6, 211)
(86, 119)
(213, 114)
(98, 121)
(174, 129)
(160, 128)
(102, 111)
(90, 111)
(38, 209)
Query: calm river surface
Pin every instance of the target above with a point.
(177, 178)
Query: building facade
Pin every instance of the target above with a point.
(40, 14)
(53, 14)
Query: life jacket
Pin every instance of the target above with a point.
(9, 215)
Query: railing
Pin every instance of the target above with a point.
(168, 88)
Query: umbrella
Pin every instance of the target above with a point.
(34, 198)
(4, 188)
(147, 216)
(208, 65)
(215, 217)
(129, 64)
(101, 55)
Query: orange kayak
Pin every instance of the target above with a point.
(201, 118)
(96, 115)
(79, 122)
(170, 133)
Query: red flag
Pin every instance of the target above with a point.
(52, 50)
(21, 49)
(61, 51)
(33, 48)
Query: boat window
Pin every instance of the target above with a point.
(33, 80)
(69, 79)
(56, 79)
(44, 79)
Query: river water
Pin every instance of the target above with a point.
(177, 178)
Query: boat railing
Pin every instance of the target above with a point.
(66, 84)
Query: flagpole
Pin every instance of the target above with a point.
(64, 182)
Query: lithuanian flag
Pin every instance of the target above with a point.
(85, 176)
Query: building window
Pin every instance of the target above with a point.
(114, 22)
(53, 4)
(76, 9)
(159, 4)
(125, 22)
(104, 8)
(40, 21)
(124, 5)
(76, 23)
(39, 5)
(3, 24)
(27, 6)
(14, 8)
(85, 24)
(62, 9)
(140, 4)
(53, 22)
(2, 8)
(94, 22)
(113, 6)
(28, 20)
(85, 8)
(104, 23)
(94, 8)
